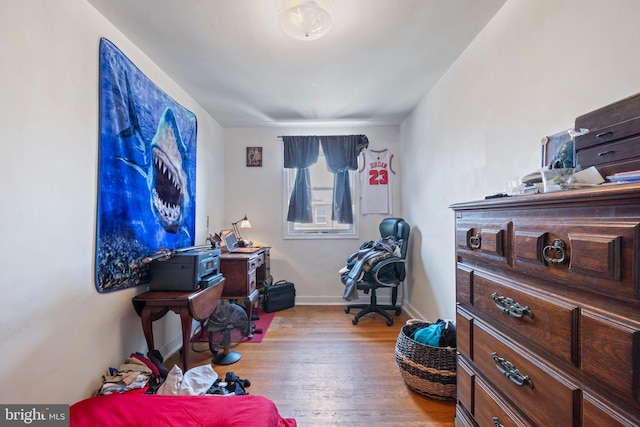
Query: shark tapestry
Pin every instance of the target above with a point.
(147, 173)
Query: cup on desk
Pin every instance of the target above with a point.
(556, 179)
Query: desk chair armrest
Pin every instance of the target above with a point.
(399, 268)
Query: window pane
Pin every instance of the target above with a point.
(322, 195)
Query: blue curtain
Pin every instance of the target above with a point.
(300, 152)
(341, 153)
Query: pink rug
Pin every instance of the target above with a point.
(262, 325)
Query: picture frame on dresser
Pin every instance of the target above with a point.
(556, 148)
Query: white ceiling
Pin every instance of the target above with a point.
(231, 56)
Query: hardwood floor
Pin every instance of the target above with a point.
(324, 371)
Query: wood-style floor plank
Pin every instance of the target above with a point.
(324, 371)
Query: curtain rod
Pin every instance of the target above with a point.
(280, 136)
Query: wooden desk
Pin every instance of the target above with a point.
(198, 305)
(245, 273)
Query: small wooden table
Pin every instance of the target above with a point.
(198, 305)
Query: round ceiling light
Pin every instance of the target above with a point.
(306, 20)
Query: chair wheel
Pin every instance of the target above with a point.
(389, 322)
(354, 321)
(398, 311)
(347, 310)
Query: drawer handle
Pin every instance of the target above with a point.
(555, 253)
(475, 241)
(507, 305)
(604, 134)
(507, 369)
(496, 422)
(604, 153)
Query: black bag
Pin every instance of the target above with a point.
(279, 296)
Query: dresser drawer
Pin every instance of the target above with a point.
(616, 112)
(529, 383)
(464, 284)
(464, 323)
(548, 322)
(252, 282)
(609, 152)
(483, 239)
(463, 418)
(608, 133)
(255, 262)
(490, 410)
(464, 384)
(598, 255)
(611, 145)
(616, 341)
(596, 413)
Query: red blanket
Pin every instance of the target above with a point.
(138, 410)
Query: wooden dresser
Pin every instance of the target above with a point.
(548, 309)
(245, 273)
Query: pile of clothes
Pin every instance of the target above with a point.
(439, 334)
(201, 380)
(232, 385)
(361, 262)
(140, 374)
(137, 374)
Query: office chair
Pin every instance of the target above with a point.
(389, 272)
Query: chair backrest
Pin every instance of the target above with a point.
(398, 228)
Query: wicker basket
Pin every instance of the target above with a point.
(430, 371)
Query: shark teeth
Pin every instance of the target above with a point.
(168, 188)
(162, 166)
(170, 212)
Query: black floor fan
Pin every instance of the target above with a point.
(226, 328)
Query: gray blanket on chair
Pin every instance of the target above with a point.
(368, 255)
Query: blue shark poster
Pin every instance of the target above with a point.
(147, 173)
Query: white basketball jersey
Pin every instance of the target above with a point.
(376, 182)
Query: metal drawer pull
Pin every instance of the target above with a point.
(496, 422)
(507, 305)
(507, 369)
(604, 153)
(604, 134)
(555, 253)
(474, 241)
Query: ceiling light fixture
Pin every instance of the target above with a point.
(306, 19)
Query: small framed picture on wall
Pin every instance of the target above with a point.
(254, 156)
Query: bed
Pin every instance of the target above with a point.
(138, 410)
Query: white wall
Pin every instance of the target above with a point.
(531, 71)
(259, 192)
(58, 333)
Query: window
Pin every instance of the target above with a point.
(320, 215)
(322, 194)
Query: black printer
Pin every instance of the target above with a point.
(186, 271)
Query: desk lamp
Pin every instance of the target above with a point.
(244, 224)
